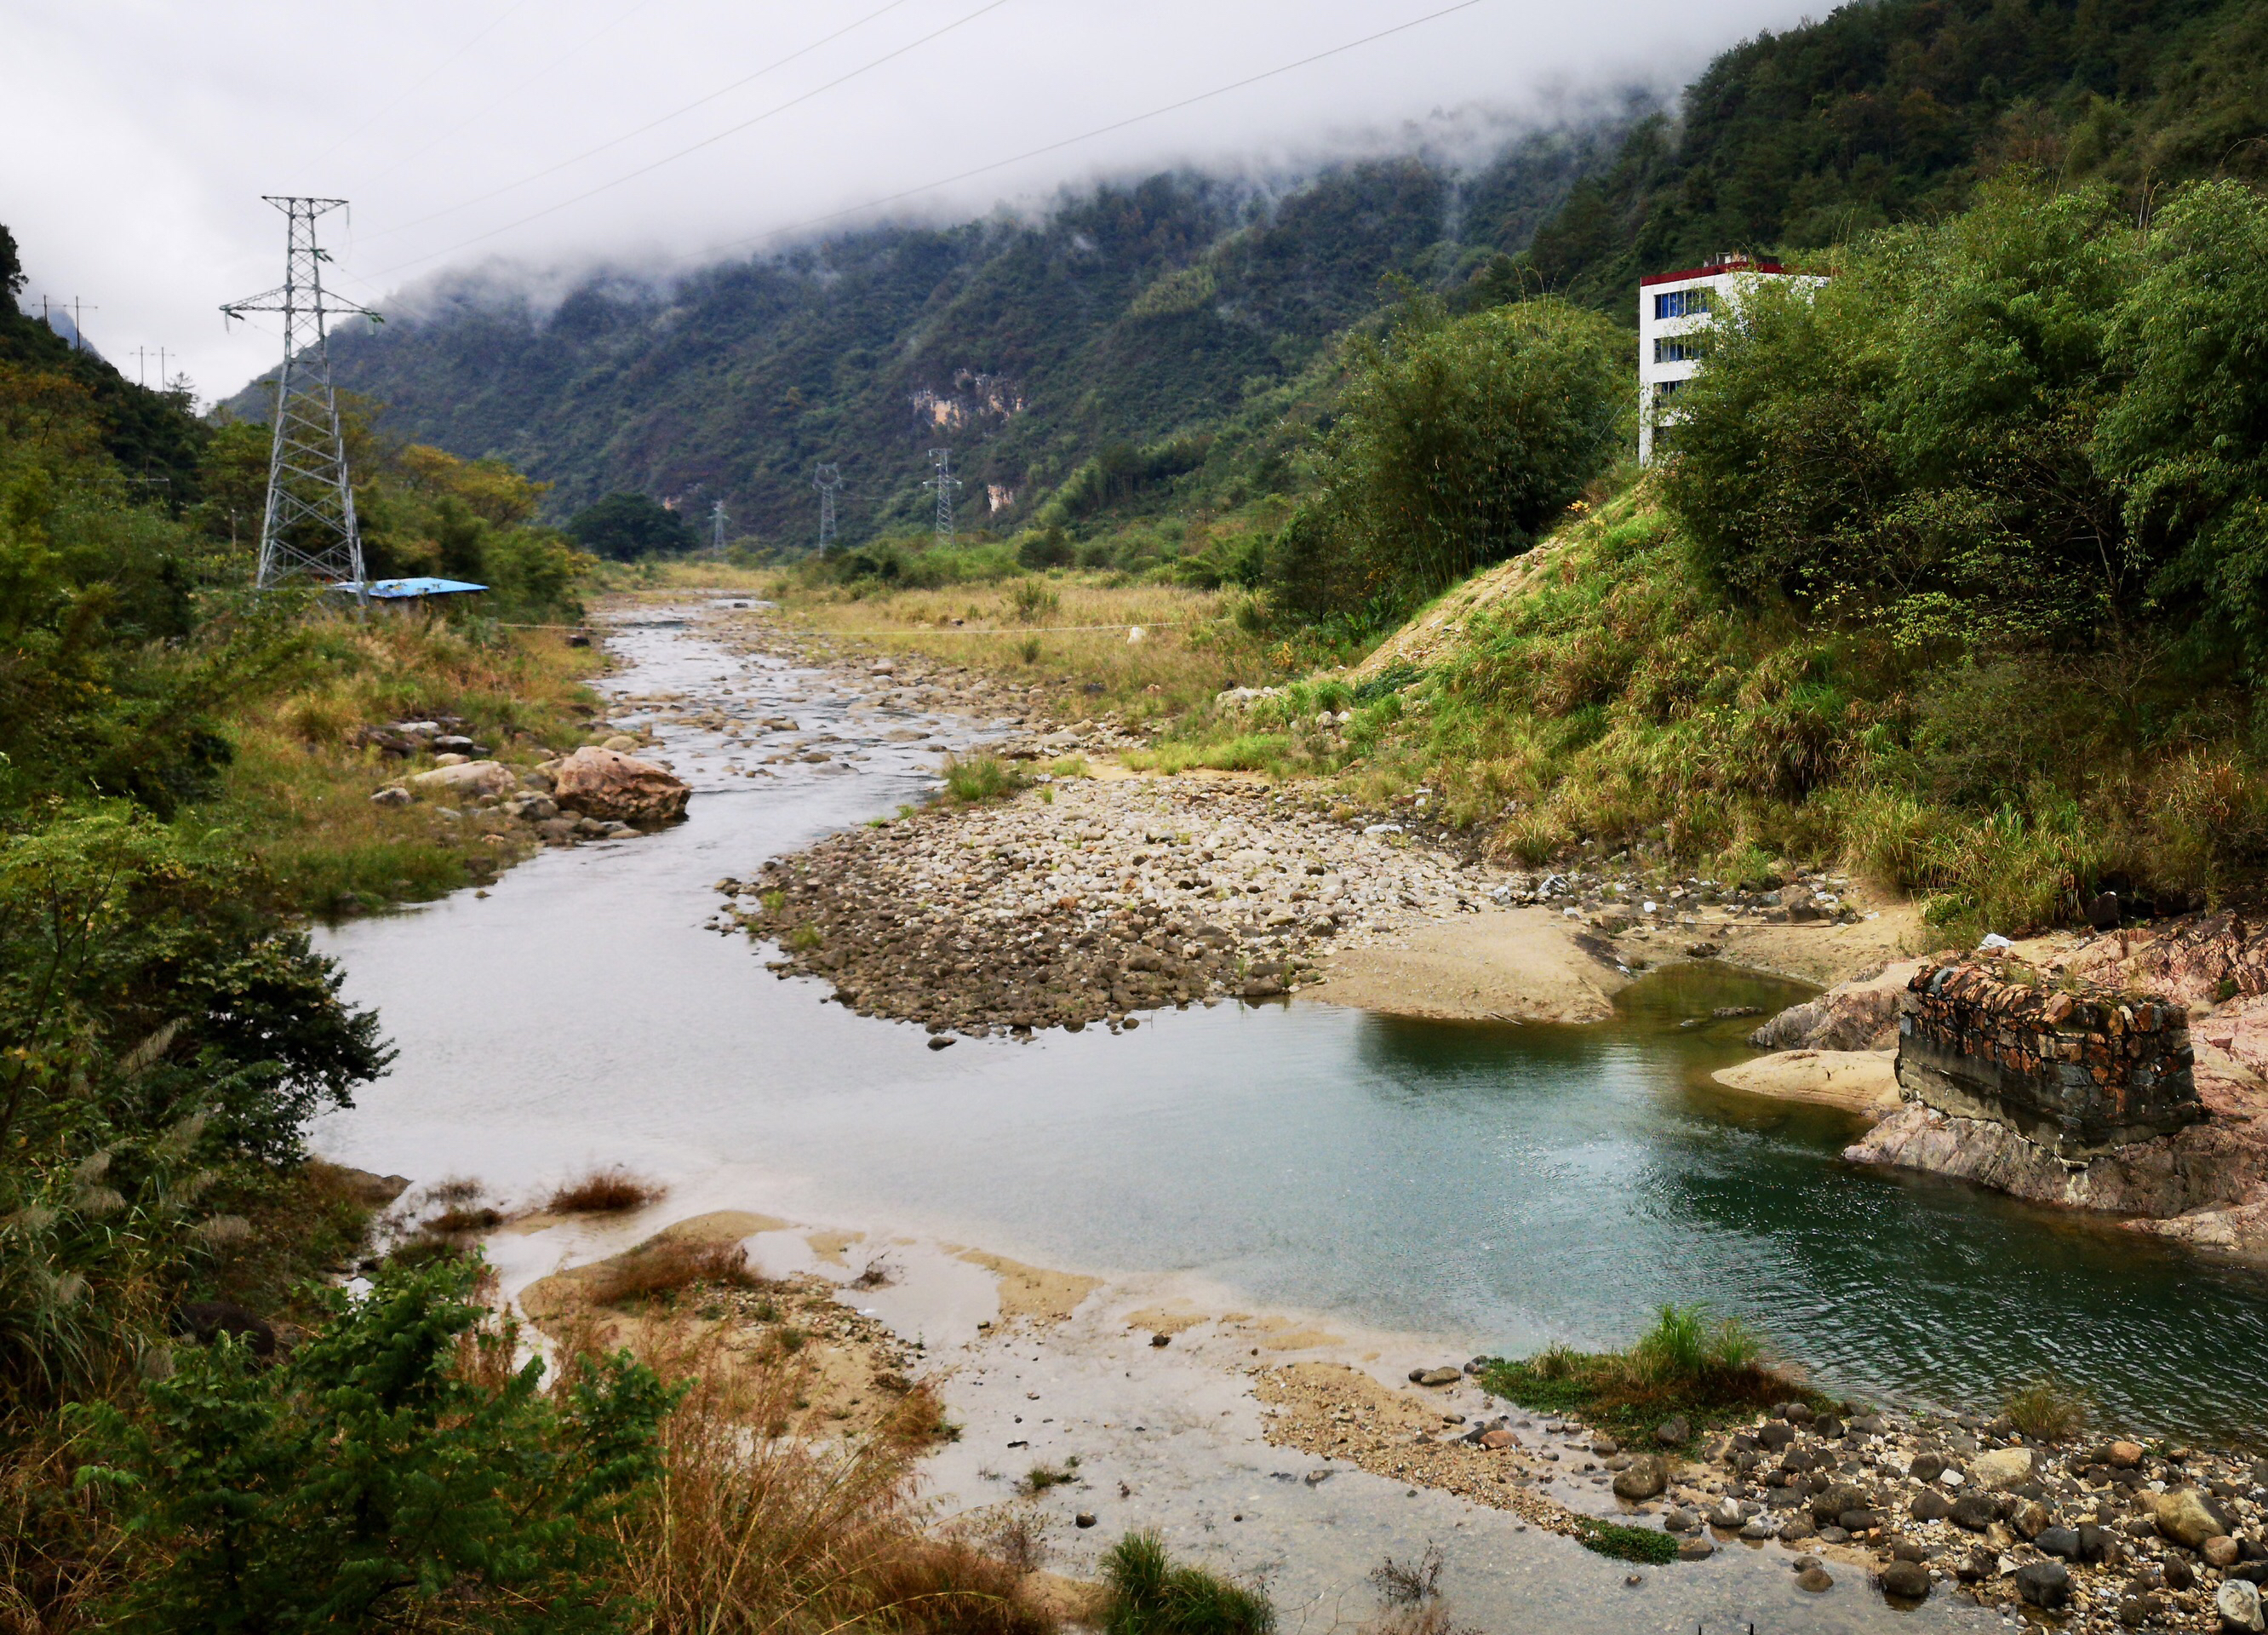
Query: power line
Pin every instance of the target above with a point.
(491, 104)
(671, 158)
(1085, 135)
(422, 82)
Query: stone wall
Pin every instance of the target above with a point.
(2075, 1073)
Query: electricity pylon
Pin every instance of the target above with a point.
(308, 527)
(944, 482)
(827, 479)
(717, 522)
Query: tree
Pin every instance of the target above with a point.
(627, 526)
(1909, 449)
(1455, 440)
(394, 1465)
(2188, 438)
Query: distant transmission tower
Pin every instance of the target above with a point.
(308, 527)
(827, 479)
(944, 482)
(717, 522)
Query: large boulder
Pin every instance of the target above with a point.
(2183, 1516)
(467, 780)
(1857, 1016)
(607, 784)
(2002, 1469)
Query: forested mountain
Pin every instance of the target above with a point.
(1892, 110)
(1131, 315)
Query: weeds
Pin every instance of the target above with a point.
(2047, 1410)
(1040, 1478)
(604, 1192)
(1685, 1365)
(1625, 1543)
(972, 779)
(1150, 1596)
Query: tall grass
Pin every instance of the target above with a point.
(2047, 1410)
(748, 1529)
(604, 1192)
(1151, 1595)
(971, 780)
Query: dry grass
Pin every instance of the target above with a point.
(1193, 644)
(607, 1192)
(668, 1266)
(298, 790)
(747, 1528)
(2047, 1410)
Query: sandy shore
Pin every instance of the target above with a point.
(1284, 1448)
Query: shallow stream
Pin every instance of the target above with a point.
(1494, 1186)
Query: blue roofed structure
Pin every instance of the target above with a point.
(408, 590)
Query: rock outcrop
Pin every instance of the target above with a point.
(611, 787)
(1860, 1015)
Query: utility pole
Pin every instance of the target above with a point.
(141, 367)
(944, 482)
(308, 527)
(717, 522)
(827, 479)
(79, 329)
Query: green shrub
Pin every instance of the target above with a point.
(970, 779)
(2047, 1410)
(393, 1467)
(1150, 1596)
(1455, 440)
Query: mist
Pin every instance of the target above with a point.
(514, 144)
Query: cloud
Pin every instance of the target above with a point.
(456, 129)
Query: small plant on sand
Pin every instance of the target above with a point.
(802, 939)
(1040, 1478)
(1685, 1365)
(1623, 1543)
(970, 779)
(2047, 1410)
(1150, 1596)
(604, 1192)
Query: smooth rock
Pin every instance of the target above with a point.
(1644, 1477)
(2059, 1541)
(1908, 1581)
(1673, 1432)
(1817, 1581)
(1927, 1467)
(1435, 1376)
(1974, 1512)
(1697, 1549)
(469, 779)
(1680, 1520)
(392, 795)
(607, 784)
(2238, 1604)
(1929, 1505)
(2221, 1552)
(1727, 1513)
(1758, 1528)
(2043, 1584)
(2003, 1467)
(2183, 1516)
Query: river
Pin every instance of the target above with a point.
(1494, 1186)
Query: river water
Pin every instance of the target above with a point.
(1495, 1186)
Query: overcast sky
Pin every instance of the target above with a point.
(463, 131)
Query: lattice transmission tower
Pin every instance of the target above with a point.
(944, 482)
(717, 522)
(308, 527)
(827, 479)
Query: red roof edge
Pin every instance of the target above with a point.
(1738, 264)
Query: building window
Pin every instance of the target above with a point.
(1682, 304)
(1664, 390)
(1683, 348)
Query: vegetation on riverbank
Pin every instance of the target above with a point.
(1685, 1367)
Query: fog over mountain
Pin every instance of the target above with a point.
(538, 141)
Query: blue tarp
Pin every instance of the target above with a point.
(400, 590)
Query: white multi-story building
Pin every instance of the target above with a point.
(1676, 311)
